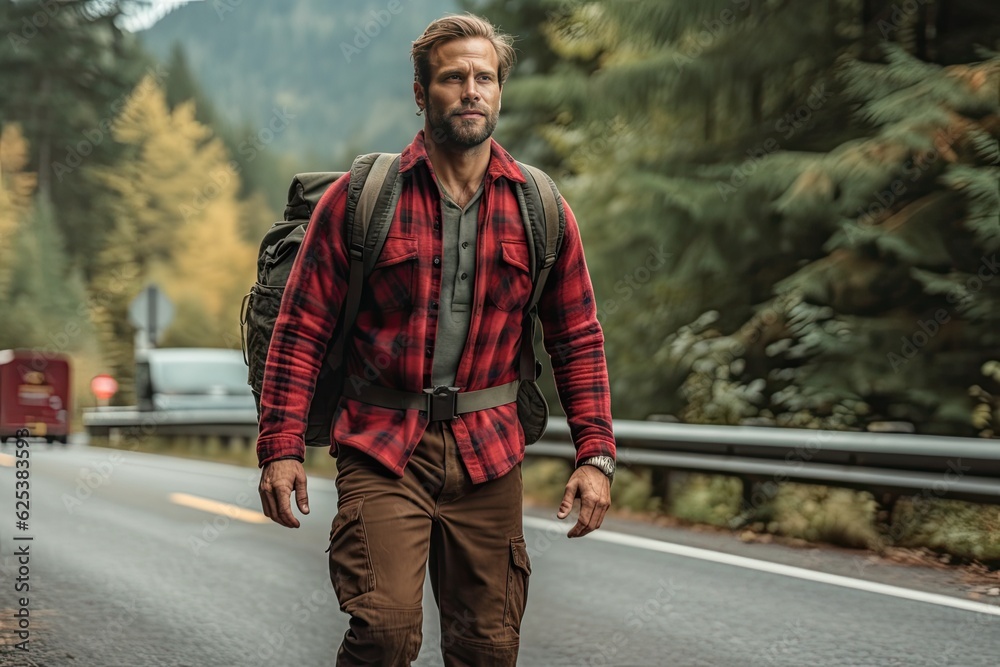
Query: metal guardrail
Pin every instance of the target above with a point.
(888, 463)
(933, 466)
(231, 423)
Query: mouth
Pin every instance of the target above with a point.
(470, 114)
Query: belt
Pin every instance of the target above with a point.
(440, 403)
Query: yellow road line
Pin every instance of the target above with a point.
(7, 460)
(215, 507)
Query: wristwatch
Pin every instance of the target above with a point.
(605, 464)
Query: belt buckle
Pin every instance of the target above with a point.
(442, 403)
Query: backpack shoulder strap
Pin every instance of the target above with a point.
(545, 222)
(371, 199)
(376, 205)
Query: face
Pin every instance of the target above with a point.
(463, 99)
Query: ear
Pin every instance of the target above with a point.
(418, 95)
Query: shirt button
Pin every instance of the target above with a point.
(464, 276)
(429, 352)
(465, 244)
(437, 261)
(434, 305)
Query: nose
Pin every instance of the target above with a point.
(470, 91)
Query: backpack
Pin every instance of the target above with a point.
(375, 186)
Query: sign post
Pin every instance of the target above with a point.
(151, 313)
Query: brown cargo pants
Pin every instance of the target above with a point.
(388, 530)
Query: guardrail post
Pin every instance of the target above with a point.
(749, 502)
(660, 484)
(885, 505)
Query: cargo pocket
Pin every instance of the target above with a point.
(350, 564)
(518, 571)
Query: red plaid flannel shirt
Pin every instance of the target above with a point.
(393, 340)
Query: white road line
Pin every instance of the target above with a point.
(549, 525)
(215, 507)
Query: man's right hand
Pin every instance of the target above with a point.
(278, 480)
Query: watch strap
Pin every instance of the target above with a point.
(605, 464)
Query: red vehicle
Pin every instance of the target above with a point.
(34, 394)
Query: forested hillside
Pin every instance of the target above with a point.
(113, 174)
(791, 209)
(341, 71)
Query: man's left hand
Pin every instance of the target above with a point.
(594, 490)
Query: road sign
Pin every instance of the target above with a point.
(151, 311)
(103, 387)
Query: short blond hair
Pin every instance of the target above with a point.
(459, 27)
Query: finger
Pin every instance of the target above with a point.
(283, 495)
(601, 504)
(272, 506)
(588, 509)
(301, 496)
(264, 504)
(267, 500)
(583, 523)
(567, 500)
(578, 530)
(600, 519)
(587, 506)
(596, 519)
(579, 526)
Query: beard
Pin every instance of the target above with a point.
(466, 133)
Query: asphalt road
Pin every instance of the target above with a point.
(130, 565)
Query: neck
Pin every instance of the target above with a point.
(460, 170)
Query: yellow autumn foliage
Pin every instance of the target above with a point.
(16, 188)
(176, 224)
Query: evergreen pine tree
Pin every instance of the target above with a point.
(724, 135)
(897, 317)
(64, 67)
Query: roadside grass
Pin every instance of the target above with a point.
(962, 529)
(801, 512)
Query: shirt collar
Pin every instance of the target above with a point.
(501, 162)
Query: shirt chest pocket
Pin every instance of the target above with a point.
(391, 280)
(510, 287)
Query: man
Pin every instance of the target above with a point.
(443, 307)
